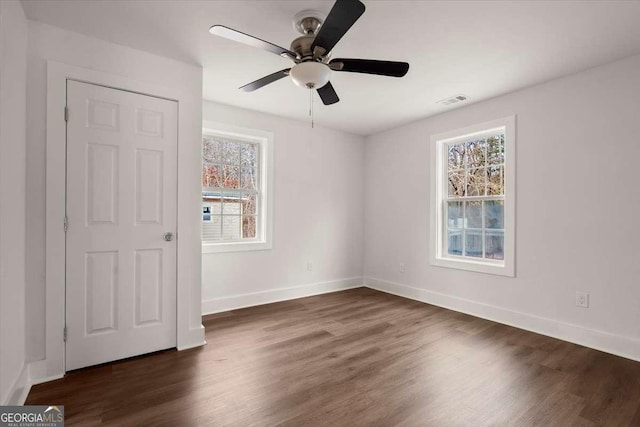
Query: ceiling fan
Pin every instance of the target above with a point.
(311, 52)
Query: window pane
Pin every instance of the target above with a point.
(494, 214)
(455, 242)
(211, 176)
(249, 203)
(494, 245)
(210, 208)
(249, 155)
(230, 227)
(456, 156)
(495, 181)
(495, 149)
(473, 243)
(212, 230)
(230, 176)
(231, 206)
(455, 214)
(210, 150)
(456, 183)
(230, 153)
(476, 153)
(249, 226)
(476, 182)
(249, 178)
(216, 207)
(473, 214)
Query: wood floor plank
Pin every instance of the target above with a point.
(355, 358)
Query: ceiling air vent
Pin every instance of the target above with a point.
(452, 100)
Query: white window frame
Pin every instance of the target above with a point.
(438, 253)
(264, 239)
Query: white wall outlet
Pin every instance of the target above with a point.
(582, 299)
(403, 268)
(309, 266)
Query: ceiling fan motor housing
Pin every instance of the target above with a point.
(302, 46)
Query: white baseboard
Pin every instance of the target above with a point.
(39, 374)
(190, 346)
(195, 338)
(20, 388)
(627, 347)
(234, 302)
(32, 373)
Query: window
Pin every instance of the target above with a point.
(236, 207)
(473, 208)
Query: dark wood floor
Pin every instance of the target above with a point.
(356, 358)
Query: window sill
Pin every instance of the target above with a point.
(214, 248)
(487, 267)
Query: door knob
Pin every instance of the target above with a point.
(168, 236)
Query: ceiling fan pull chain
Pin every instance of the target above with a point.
(311, 92)
(311, 106)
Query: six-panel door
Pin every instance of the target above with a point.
(121, 202)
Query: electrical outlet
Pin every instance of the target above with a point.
(402, 267)
(582, 299)
(309, 266)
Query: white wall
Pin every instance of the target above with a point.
(13, 67)
(318, 214)
(577, 212)
(576, 207)
(51, 43)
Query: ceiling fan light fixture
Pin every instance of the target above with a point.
(310, 75)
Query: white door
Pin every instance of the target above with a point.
(121, 202)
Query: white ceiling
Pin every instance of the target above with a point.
(477, 48)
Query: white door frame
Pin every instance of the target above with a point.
(190, 332)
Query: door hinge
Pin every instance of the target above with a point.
(66, 224)
(64, 334)
(66, 113)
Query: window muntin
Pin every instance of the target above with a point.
(231, 189)
(474, 205)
